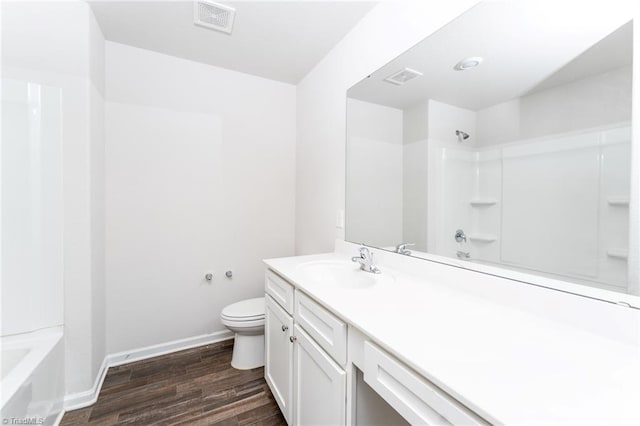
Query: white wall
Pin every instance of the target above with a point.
(58, 44)
(387, 31)
(594, 101)
(97, 189)
(200, 177)
(374, 177)
(445, 119)
(415, 174)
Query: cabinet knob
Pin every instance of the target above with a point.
(292, 339)
(285, 328)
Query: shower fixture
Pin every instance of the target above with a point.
(462, 136)
(463, 254)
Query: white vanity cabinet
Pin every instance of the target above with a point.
(313, 357)
(300, 356)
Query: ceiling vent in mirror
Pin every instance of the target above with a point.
(213, 15)
(401, 77)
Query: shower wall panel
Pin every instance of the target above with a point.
(556, 206)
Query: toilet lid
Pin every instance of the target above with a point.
(246, 310)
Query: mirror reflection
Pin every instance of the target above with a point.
(502, 140)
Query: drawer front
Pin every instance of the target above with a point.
(324, 327)
(415, 398)
(280, 290)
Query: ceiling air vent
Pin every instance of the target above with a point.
(213, 15)
(401, 77)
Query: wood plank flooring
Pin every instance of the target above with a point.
(192, 387)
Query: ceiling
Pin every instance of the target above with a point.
(279, 40)
(612, 52)
(526, 46)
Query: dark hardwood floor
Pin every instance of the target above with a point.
(192, 387)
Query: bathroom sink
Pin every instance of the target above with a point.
(342, 274)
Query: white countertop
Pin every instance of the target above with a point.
(514, 353)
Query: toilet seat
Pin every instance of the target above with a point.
(237, 325)
(245, 311)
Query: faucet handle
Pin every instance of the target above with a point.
(404, 245)
(366, 261)
(402, 248)
(363, 252)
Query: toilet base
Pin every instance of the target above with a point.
(248, 351)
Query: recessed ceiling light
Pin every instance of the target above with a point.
(468, 63)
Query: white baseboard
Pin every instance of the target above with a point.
(83, 399)
(166, 348)
(59, 417)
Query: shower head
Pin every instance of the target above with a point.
(462, 136)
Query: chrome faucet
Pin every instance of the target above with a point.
(463, 254)
(402, 248)
(366, 261)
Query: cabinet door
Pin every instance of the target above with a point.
(320, 385)
(279, 355)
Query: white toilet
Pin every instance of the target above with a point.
(246, 319)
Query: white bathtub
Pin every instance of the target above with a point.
(32, 366)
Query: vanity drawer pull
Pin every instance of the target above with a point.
(284, 327)
(324, 327)
(415, 398)
(280, 290)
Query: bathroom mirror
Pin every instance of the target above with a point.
(502, 144)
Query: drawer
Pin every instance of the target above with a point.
(324, 327)
(415, 398)
(280, 290)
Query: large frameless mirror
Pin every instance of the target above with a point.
(501, 143)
